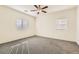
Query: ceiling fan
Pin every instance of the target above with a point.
(39, 9)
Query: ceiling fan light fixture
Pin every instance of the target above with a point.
(39, 9)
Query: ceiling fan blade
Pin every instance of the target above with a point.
(37, 12)
(33, 10)
(36, 6)
(39, 6)
(44, 11)
(45, 7)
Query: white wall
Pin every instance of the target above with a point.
(46, 26)
(77, 28)
(8, 30)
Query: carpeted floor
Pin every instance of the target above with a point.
(39, 45)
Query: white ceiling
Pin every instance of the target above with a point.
(51, 8)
